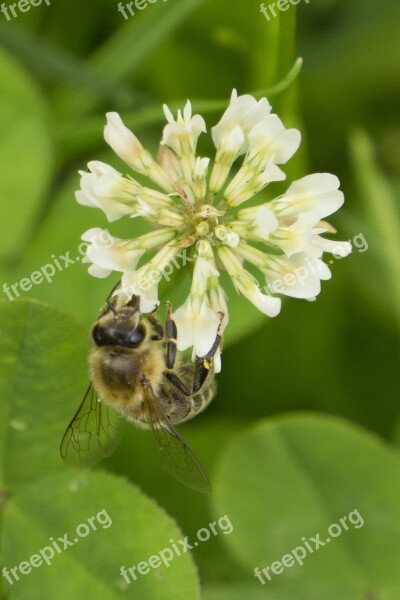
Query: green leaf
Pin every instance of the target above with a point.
(127, 528)
(25, 155)
(381, 207)
(42, 378)
(52, 62)
(238, 591)
(298, 475)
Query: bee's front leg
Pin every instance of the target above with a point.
(158, 328)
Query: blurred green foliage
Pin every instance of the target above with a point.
(61, 68)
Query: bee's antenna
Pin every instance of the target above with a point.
(108, 299)
(112, 307)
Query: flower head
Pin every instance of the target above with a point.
(197, 211)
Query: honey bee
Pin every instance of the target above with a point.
(136, 376)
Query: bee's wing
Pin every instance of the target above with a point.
(93, 433)
(176, 456)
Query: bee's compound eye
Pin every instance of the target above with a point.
(137, 336)
(98, 336)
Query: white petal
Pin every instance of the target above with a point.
(84, 200)
(197, 325)
(168, 114)
(198, 124)
(297, 237)
(270, 139)
(148, 303)
(233, 142)
(268, 305)
(98, 168)
(338, 249)
(138, 284)
(121, 139)
(110, 253)
(181, 134)
(183, 318)
(217, 361)
(266, 222)
(187, 111)
(286, 145)
(219, 305)
(92, 234)
(102, 189)
(99, 272)
(297, 277)
(206, 329)
(271, 174)
(243, 111)
(317, 193)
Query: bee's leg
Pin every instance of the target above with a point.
(171, 334)
(159, 332)
(203, 363)
(177, 382)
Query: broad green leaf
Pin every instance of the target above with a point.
(127, 529)
(239, 591)
(42, 378)
(25, 155)
(257, 591)
(206, 436)
(286, 480)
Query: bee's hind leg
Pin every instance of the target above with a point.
(177, 382)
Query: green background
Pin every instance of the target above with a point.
(305, 426)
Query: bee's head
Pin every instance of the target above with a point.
(120, 327)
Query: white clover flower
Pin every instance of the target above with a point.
(231, 134)
(196, 210)
(181, 134)
(108, 254)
